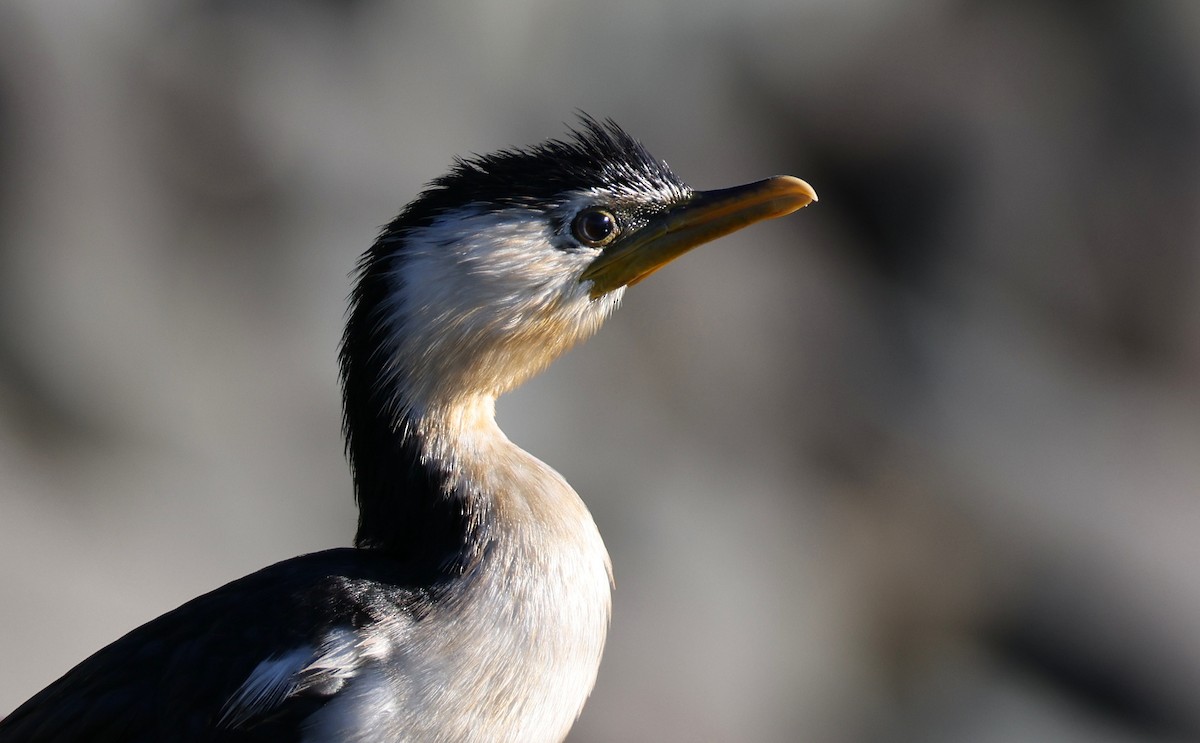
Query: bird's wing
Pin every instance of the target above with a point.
(226, 666)
(317, 671)
(272, 681)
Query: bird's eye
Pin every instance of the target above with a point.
(595, 227)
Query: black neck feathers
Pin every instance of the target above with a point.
(407, 504)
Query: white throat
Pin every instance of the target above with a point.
(541, 595)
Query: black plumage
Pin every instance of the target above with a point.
(170, 679)
(538, 177)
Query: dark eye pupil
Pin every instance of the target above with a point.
(594, 227)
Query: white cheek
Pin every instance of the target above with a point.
(487, 290)
(490, 270)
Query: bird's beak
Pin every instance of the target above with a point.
(704, 217)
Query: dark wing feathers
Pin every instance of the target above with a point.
(169, 679)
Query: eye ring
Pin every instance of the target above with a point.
(595, 227)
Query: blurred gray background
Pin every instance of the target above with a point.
(920, 463)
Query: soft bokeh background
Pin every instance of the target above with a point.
(921, 463)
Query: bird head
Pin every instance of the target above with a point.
(511, 258)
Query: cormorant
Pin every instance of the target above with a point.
(475, 602)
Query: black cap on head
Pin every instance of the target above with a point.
(596, 154)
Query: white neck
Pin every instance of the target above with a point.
(541, 596)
